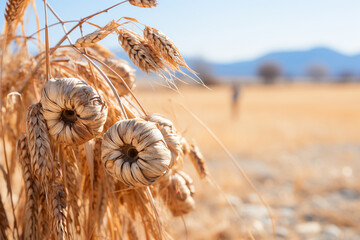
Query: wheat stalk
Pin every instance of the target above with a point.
(198, 161)
(4, 223)
(165, 47)
(59, 211)
(14, 9)
(31, 191)
(94, 37)
(140, 53)
(71, 186)
(143, 3)
(39, 143)
(43, 217)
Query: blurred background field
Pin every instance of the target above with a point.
(300, 145)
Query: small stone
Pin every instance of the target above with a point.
(309, 228)
(332, 231)
(282, 232)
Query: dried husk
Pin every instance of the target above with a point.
(177, 191)
(125, 71)
(171, 137)
(73, 111)
(134, 151)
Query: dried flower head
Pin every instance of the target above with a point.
(125, 71)
(140, 53)
(73, 111)
(177, 191)
(134, 151)
(171, 137)
(143, 3)
(165, 47)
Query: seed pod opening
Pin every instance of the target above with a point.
(134, 151)
(73, 111)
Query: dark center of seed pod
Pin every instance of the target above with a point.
(69, 116)
(130, 152)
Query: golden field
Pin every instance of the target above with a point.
(299, 144)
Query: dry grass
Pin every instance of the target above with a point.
(297, 143)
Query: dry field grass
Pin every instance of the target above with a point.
(300, 144)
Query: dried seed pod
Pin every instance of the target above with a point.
(73, 111)
(171, 137)
(143, 3)
(198, 161)
(165, 47)
(125, 71)
(92, 38)
(140, 53)
(177, 191)
(134, 151)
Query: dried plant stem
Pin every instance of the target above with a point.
(3, 138)
(233, 160)
(107, 80)
(31, 190)
(40, 61)
(156, 213)
(89, 60)
(123, 81)
(4, 223)
(47, 53)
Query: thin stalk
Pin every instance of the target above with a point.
(37, 67)
(123, 81)
(107, 80)
(47, 55)
(152, 203)
(88, 59)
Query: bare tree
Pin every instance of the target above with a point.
(317, 71)
(269, 72)
(347, 76)
(205, 72)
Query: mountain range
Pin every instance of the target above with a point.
(292, 63)
(295, 63)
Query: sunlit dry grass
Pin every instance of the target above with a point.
(296, 142)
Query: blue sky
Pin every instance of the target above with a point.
(227, 31)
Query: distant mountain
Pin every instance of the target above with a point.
(294, 63)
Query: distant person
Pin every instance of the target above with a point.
(236, 92)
